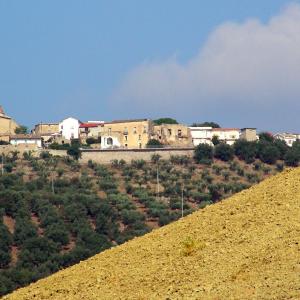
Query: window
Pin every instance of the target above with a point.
(134, 130)
(140, 145)
(179, 132)
(126, 137)
(125, 130)
(145, 129)
(126, 145)
(140, 137)
(170, 131)
(109, 141)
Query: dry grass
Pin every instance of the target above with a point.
(246, 247)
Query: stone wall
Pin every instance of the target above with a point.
(106, 156)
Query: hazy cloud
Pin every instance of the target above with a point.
(243, 73)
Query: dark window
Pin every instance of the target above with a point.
(109, 141)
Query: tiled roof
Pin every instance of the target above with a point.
(127, 121)
(225, 129)
(89, 125)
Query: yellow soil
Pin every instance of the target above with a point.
(246, 247)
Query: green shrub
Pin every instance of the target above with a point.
(203, 154)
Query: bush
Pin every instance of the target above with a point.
(292, 158)
(203, 154)
(165, 121)
(245, 150)
(153, 143)
(269, 154)
(224, 152)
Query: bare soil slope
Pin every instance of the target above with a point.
(246, 247)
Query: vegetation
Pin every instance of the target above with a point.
(164, 121)
(152, 143)
(206, 124)
(21, 130)
(55, 212)
(247, 248)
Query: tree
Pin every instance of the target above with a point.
(292, 157)
(21, 130)
(164, 121)
(154, 143)
(74, 151)
(203, 154)
(245, 150)
(206, 124)
(266, 137)
(269, 154)
(215, 140)
(224, 152)
(282, 147)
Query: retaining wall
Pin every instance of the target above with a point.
(106, 156)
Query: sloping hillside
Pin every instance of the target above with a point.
(246, 247)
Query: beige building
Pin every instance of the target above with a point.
(125, 133)
(174, 135)
(89, 130)
(7, 126)
(248, 134)
(46, 128)
(47, 131)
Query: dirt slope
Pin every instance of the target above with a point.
(247, 247)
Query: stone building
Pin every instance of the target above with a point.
(46, 128)
(174, 135)
(248, 134)
(125, 133)
(90, 130)
(7, 126)
(47, 131)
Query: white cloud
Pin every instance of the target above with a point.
(244, 67)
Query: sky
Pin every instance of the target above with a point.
(235, 62)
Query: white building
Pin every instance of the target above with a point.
(69, 128)
(227, 135)
(289, 138)
(22, 139)
(109, 142)
(201, 135)
(204, 135)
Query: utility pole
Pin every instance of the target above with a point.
(157, 183)
(182, 201)
(2, 166)
(52, 184)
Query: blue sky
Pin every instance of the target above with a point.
(81, 58)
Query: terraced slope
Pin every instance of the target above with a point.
(246, 247)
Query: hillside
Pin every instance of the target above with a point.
(245, 247)
(56, 212)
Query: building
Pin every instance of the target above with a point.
(90, 130)
(46, 128)
(69, 128)
(201, 135)
(249, 134)
(7, 126)
(226, 135)
(125, 133)
(204, 135)
(289, 138)
(24, 139)
(174, 135)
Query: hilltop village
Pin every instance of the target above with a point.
(125, 134)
